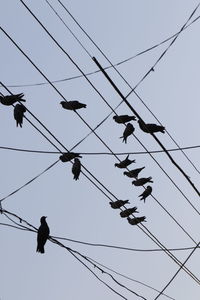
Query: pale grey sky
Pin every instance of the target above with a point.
(78, 210)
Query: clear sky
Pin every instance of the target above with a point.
(77, 209)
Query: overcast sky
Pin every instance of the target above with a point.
(77, 209)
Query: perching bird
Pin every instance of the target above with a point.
(69, 156)
(142, 181)
(124, 163)
(11, 99)
(146, 193)
(72, 105)
(19, 111)
(43, 234)
(118, 203)
(124, 119)
(133, 173)
(127, 212)
(136, 221)
(76, 168)
(128, 131)
(151, 128)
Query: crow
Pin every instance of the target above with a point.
(69, 156)
(127, 212)
(150, 128)
(76, 168)
(124, 163)
(124, 119)
(142, 181)
(133, 173)
(128, 131)
(72, 105)
(11, 99)
(146, 193)
(43, 234)
(136, 221)
(19, 111)
(118, 203)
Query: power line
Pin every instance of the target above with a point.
(146, 230)
(152, 68)
(99, 153)
(108, 67)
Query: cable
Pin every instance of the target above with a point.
(152, 68)
(108, 67)
(98, 153)
(62, 96)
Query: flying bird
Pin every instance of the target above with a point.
(124, 119)
(142, 181)
(124, 163)
(127, 212)
(118, 203)
(146, 193)
(151, 128)
(42, 236)
(133, 173)
(72, 105)
(136, 221)
(76, 168)
(11, 99)
(69, 156)
(19, 111)
(128, 131)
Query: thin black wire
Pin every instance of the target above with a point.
(93, 88)
(84, 121)
(108, 67)
(3, 211)
(98, 153)
(152, 68)
(192, 252)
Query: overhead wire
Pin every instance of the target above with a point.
(152, 68)
(143, 225)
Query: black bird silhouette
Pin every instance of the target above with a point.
(118, 203)
(133, 173)
(146, 193)
(43, 234)
(72, 105)
(127, 212)
(19, 111)
(69, 156)
(11, 99)
(124, 163)
(142, 181)
(150, 128)
(124, 119)
(136, 221)
(128, 131)
(76, 168)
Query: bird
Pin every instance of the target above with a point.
(124, 119)
(124, 163)
(146, 193)
(72, 105)
(11, 99)
(76, 168)
(127, 212)
(118, 203)
(69, 156)
(133, 173)
(151, 128)
(136, 221)
(19, 111)
(43, 234)
(128, 131)
(142, 181)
